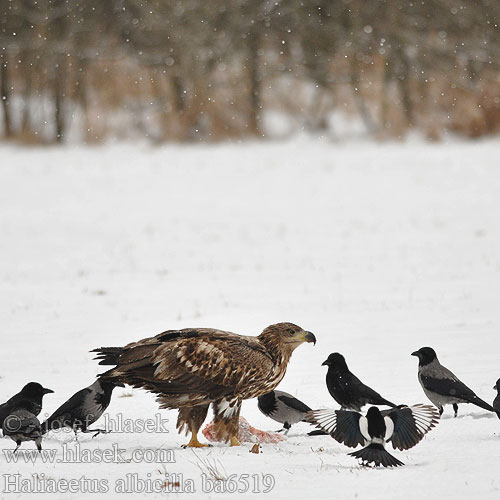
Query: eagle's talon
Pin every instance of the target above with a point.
(234, 441)
(194, 443)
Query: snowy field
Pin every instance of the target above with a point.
(377, 249)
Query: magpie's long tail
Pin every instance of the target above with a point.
(318, 432)
(108, 355)
(376, 454)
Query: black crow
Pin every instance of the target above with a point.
(496, 401)
(441, 386)
(22, 425)
(349, 392)
(30, 398)
(403, 426)
(83, 408)
(283, 408)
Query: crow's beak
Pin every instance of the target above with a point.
(325, 363)
(47, 391)
(310, 338)
(416, 353)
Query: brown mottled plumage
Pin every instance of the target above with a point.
(193, 368)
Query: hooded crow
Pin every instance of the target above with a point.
(283, 408)
(83, 408)
(21, 425)
(29, 398)
(441, 386)
(496, 401)
(403, 426)
(349, 392)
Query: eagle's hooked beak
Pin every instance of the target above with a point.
(309, 337)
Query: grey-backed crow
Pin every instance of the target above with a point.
(83, 408)
(441, 386)
(21, 425)
(283, 408)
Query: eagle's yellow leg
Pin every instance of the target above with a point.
(234, 441)
(194, 443)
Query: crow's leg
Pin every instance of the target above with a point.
(455, 408)
(97, 432)
(285, 429)
(441, 409)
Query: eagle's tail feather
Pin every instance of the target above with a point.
(377, 454)
(108, 355)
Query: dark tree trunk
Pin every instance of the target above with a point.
(28, 79)
(364, 112)
(59, 95)
(5, 94)
(179, 94)
(255, 81)
(386, 82)
(404, 87)
(81, 91)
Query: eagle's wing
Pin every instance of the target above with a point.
(193, 365)
(342, 425)
(220, 358)
(411, 424)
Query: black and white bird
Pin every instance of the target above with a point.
(441, 386)
(403, 426)
(496, 401)
(29, 398)
(283, 408)
(349, 392)
(21, 425)
(83, 408)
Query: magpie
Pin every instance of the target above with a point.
(283, 408)
(441, 386)
(21, 425)
(29, 398)
(404, 426)
(349, 392)
(83, 408)
(496, 401)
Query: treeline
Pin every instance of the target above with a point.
(213, 69)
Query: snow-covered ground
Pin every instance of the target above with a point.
(377, 249)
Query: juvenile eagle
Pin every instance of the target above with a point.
(192, 368)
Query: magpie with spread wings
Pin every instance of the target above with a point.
(403, 426)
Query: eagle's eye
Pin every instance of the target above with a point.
(291, 332)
